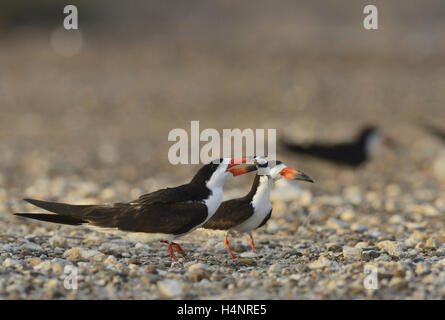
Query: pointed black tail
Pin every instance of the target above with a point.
(64, 219)
(60, 208)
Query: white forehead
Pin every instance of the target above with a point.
(260, 160)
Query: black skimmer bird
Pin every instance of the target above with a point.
(352, 153)
(161, 215)
(253, 210)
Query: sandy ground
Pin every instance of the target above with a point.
(93, 128)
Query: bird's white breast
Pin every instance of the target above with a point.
(215, 185)
(261, 206)
(214, 200)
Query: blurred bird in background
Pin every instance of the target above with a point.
(352, 153)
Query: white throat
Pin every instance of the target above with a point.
(262, 196)
(261, 205)
(215, 185)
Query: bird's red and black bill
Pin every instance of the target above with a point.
(292, 174)
(239, 166)
(238, 170)
(238, 161)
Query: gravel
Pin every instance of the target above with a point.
(323, 259)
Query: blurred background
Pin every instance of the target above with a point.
(97, 104)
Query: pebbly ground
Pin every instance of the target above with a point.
(296, 258)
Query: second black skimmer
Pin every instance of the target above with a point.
(352, 153)
(163, 215)
(253, 210)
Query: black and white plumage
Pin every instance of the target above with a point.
(161, 215)
(254, 209)
(353, 153)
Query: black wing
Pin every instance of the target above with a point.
(60, 208)
(230, 214)
(265, 219)
(172, 218)
(182, 193)
(55, 218)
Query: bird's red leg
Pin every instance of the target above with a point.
(170, 249)
(178, 248)
(226, 242)
(252, 245)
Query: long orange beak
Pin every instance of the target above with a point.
(292, 174)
